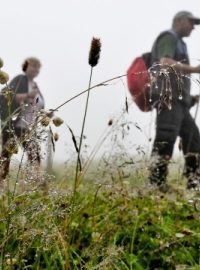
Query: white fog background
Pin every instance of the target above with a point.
(59, 33)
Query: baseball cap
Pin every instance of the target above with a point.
(187, 14)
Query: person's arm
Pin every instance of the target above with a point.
(19, 85)
(184, 68)
(166, 53)
(21, 98)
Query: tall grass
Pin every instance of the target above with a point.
(111, 220)
(118, 224)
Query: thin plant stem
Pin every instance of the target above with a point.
(9, 212)
(17, 177)
(85, 114)
(82, 131)
(100, 142)
(87, 90)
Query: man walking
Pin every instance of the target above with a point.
(174, 120)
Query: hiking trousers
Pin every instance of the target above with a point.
(169, 125)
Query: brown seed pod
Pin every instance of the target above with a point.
(3, 77)
(45, 121)
(57, 121)
(94, 54)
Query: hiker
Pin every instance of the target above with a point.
(175, 120)
(26, 101)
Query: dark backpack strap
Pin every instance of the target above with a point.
(147, 59)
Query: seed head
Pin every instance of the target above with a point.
(3, 77)
(57, 121)
(12, 146)
(56, 137)
(1, 63)
(45, 121)
(7, 92)
(94, 54)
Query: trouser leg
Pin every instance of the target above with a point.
(30, 145)
(160, 160)
(33, 151)
(4, 164)
(167, 128)
(6, 154)
(191, 148)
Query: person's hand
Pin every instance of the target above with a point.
(194, 100)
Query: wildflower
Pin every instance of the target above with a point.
(45, 121)
(56, 137)
(1, 63)
(57, 121)
(94, 54)
(3, 77)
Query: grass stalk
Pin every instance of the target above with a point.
(81, 137)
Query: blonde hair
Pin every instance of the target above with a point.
(30, 61)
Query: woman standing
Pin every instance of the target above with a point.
(27, 102)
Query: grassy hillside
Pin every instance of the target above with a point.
(111, 221)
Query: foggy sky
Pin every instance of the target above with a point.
(59, 34)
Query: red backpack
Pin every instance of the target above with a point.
(138, 81)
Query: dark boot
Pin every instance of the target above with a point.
(194, 183)
(159, 171)
(192, 171)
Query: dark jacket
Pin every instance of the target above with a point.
(180, 84)
(18, 85)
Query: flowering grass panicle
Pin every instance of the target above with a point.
(94, 52)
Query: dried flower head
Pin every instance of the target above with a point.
(12, 146)
(3, 77)
(94, 54)
(57, 121)
(1, 63)
(45, 121)
(56, 137)
(7, 92)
